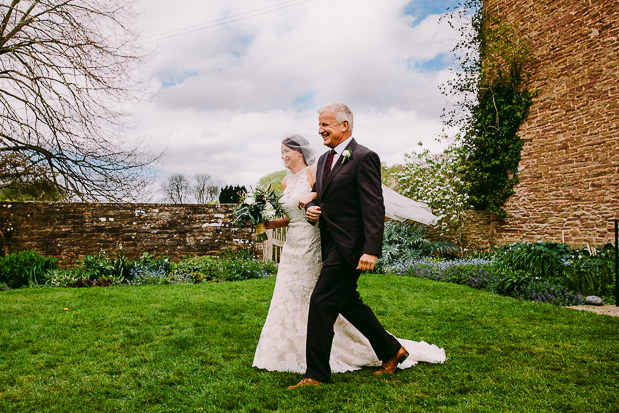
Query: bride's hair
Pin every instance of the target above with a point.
(300, 144)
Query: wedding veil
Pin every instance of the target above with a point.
(401, 208)
(300, 144)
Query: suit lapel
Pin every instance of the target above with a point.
(338, 165)
(320, 173)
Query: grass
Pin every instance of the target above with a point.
(189, 348)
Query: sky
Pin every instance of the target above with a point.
(229, 79)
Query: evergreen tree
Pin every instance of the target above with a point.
(232, 194)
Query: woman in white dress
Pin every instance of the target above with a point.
(282, 342)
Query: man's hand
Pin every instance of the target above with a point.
(312, 214)
(367, 262)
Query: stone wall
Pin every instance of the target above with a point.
(69, 231)
(478, 232)
(569, 173)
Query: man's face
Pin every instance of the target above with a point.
(331, 131)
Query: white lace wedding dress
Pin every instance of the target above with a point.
(282, 341)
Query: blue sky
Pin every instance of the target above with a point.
(422, 9)
(230, 78)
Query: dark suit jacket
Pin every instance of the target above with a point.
(351, 203)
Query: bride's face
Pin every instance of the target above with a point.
(291, 157)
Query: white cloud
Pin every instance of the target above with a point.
(228, 94)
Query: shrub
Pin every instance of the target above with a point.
(579, 271)
(241, 269)
(487, 275)
(405, 242)
(70, 278)
(231, 194)
(25, 268)
(200, 268)
(540, 259)
(143, 275)
(103, 266)
(591, 274)
(546, 292)
(475, 273)
(104, 270)
(149, 263)
(436, 181)
(61, 278)
(152, 261)
(232, 266)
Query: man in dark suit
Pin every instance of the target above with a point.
(350, 210)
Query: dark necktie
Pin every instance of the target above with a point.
(329, 163)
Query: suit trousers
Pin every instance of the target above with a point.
(336, 293)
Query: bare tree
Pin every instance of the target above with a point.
(206, 188)
(213, 191)
(177, 189)
(67, 79)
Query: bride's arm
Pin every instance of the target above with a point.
(278, 223)
(311, 179)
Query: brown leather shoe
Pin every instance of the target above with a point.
(390, 365)
(304, 383)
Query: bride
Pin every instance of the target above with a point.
(282, 342)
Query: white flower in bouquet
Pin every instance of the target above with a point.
(269, 211)
(258, 206)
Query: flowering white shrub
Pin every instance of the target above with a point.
(434, 180)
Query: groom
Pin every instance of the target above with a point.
(351, 212)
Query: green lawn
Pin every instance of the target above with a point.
(189, 348)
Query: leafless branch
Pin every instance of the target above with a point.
(176, 189)
(67, 80)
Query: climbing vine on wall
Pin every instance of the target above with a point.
(494, 102)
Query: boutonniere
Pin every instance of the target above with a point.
(346, 155)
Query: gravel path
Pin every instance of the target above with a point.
(611, 310)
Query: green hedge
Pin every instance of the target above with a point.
(25, 268)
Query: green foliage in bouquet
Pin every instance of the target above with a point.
(258, 206)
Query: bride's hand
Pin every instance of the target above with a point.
(306, 199)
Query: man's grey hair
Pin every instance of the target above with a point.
(342, 113)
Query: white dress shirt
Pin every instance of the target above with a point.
(339, 149)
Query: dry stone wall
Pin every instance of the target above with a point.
(69, 231)
(569, 172)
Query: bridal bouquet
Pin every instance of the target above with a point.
(258, 206)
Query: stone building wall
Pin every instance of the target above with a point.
(478, 232)
(69, 231)
(569, 172)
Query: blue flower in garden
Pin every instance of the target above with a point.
(483, 274)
